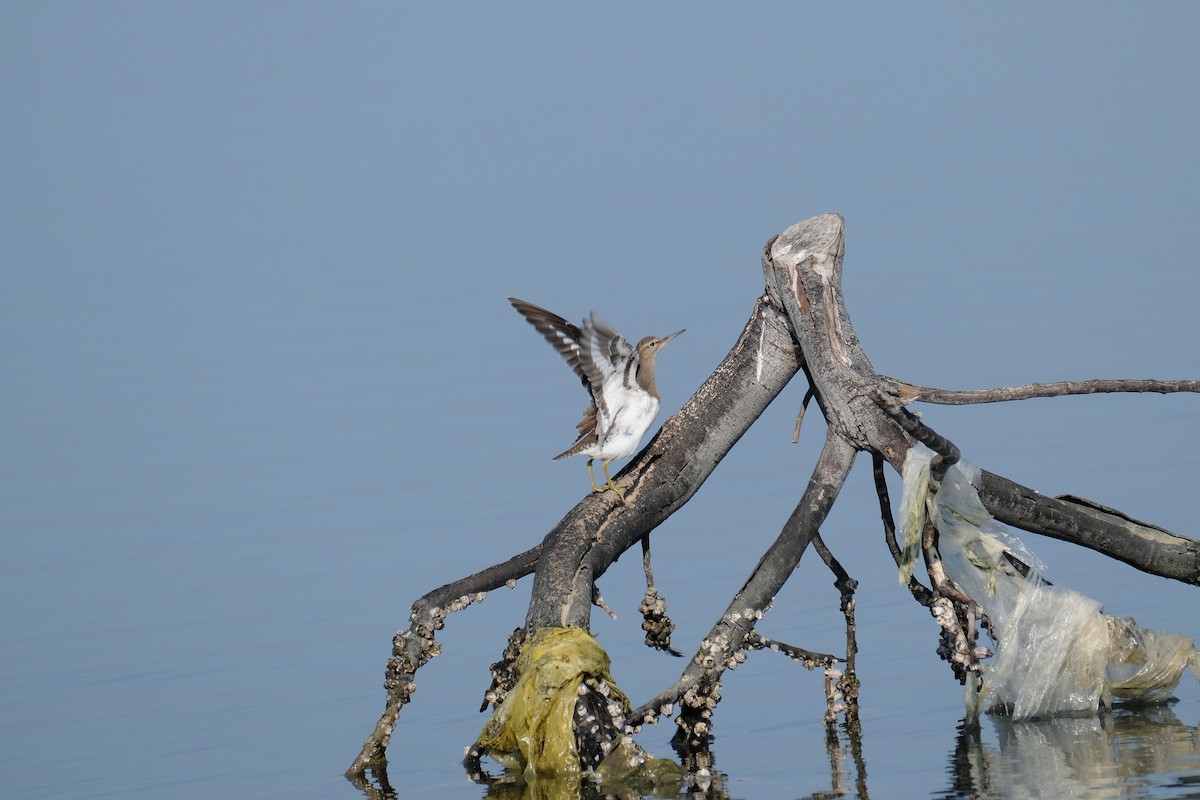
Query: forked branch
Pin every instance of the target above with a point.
(800, 323)
(724, 646)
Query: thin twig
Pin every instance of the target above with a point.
(809, 658)
(808, 396)
(598, 601)
(844, 583)
(919, 591)
(911, 424)
(843, 686)
(908, 393)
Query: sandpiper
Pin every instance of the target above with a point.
(619, 378)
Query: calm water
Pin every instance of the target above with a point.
(260, 389)
(212, 533)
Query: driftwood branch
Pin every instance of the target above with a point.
(414, 646)
(908, 393)
(665, 474)
(799, 324)
(1149, 548)
(594, 533)
(803, 270)
(722, 648)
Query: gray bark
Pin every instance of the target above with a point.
(803, 269)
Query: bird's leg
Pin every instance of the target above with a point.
(608, 481)
(592, 477)
(610, 485)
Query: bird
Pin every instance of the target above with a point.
(619, 380)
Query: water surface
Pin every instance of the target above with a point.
(261, 388)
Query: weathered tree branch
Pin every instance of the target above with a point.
(725, 642)
(668, 471)
(1148, 548)
(801, 323)
(415, 645)
(908, 393)
(665, 474)
(807, 282)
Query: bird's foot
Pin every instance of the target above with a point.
(616, 487)
(609, 483)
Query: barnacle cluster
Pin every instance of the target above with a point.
(655, 622)
(695, 713)
(504, 671)
(600, 727)
(958, 640)
(412, 647)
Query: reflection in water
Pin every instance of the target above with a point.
(847, 775)
(843, 742)
(374, 784)
(1129, 753)
(1123, 754)
(846, 764)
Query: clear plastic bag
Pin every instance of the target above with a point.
(1056, 651)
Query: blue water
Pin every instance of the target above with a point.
(260, 388)
(219, 518)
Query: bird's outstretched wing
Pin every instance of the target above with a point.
(566, 337)
(604, 358)
(589, 352)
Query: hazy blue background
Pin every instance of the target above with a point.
(261, 388)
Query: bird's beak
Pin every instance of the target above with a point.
(672, 336)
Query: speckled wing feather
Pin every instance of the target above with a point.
(565, 337)
(576, 346)
(605, 358)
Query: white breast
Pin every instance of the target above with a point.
(621, 435)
